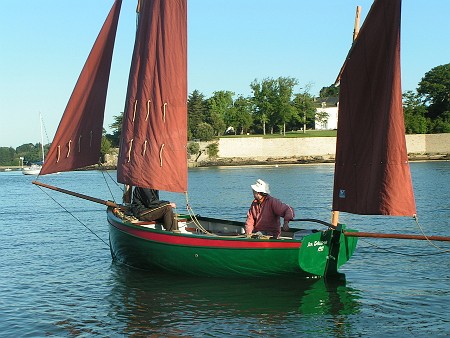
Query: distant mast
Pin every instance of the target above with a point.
(42, 139)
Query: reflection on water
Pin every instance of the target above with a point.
(156, 303)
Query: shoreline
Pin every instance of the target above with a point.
(235, 162)
(301, 160)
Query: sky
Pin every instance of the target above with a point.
(44, 45)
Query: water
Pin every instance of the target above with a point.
(57, 277)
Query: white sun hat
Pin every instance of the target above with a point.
(261, 186)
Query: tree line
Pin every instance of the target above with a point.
(275, 107)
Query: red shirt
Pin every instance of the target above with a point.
(265, 216)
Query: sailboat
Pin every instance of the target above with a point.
(35, 169)
(153, 154)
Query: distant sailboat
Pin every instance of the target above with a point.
(35, 169)
(371, 151)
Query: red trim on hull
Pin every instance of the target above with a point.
(176, 239)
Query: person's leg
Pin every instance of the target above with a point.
(164, 213)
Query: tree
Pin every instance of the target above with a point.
(197, 111)
(7, 156)
(414, 111)
(263, 100)
(30, 152)
(435, 89)
(272, 101)
(242, 114)
(284, 107)
(116, 127)
(322, 117)
(105, 146)
(204, 132)
(304, 106)
(220, 104)
(330, 91)
(193, 148)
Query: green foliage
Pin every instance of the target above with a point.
(306, 111)
(331, 91)
(116, 127)
(440, 124)
(6, 156)
(240, 116)
(219, 105)
(414, 110)
(204, 132)
(197, 113)
(272, 102)
(322, 117)
(193, 148)
(435, 90)
(105, 147)
(213, 150)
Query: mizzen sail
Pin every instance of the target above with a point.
(78, 138)
(154, 132)
(372, 174)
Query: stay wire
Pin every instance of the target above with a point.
(428, 240)
(71, 214)
(402, 253)
(103, 170)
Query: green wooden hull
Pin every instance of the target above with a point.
(227, 256)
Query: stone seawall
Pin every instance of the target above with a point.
(253, 150)
(259, 150)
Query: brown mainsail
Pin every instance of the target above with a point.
(154, 132)
(372, 174)
(78, 138)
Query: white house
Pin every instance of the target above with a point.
(326, 116)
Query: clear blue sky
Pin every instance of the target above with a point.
(44, 44)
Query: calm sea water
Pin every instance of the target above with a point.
(57, 277)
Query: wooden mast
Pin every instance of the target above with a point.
(335, 213)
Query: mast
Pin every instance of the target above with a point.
(335, 213)
(357, 18)
(42, 138)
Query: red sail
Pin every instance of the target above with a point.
(78, 137)
(154, 131)
(372, 174)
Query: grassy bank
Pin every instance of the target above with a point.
(291, 134)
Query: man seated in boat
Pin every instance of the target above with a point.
(265, 212)
(146, 206)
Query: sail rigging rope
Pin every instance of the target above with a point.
(71, 214)
(202, 229)
(428, 240)
(103, 170)
(194, 217)
(402, 253)
(442, 250)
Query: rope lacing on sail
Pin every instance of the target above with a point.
(68, 148)
(164, 111)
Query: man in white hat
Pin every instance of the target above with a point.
(265, 212)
